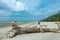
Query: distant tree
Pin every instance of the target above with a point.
(53, 18)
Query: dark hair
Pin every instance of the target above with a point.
(38, 22)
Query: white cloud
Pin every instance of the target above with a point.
(20, 6)
(10, 3)
(49, 9)
(15, 5)
(4, 13)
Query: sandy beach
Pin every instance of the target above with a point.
(31, 36)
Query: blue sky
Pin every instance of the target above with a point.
(27, 10)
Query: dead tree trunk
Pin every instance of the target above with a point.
(58, 24)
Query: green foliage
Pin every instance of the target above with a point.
(53, 18)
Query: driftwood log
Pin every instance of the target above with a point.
(21, 30)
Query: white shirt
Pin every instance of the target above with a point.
(38, 26)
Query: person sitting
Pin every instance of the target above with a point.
(39, 27)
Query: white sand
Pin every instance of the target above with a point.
(31, 36)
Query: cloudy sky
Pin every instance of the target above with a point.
(27, 10)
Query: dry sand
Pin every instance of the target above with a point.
(31, 36)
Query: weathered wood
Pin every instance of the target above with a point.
(58, 25)
(21, 30)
